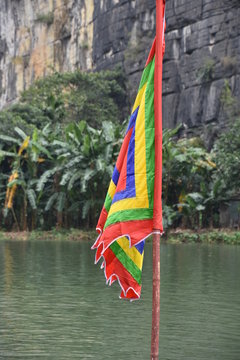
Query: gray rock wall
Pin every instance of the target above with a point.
(202, 52)
(202, 49)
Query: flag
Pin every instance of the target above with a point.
(127, 217)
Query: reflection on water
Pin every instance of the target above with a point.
(54, 304)
(8, 268)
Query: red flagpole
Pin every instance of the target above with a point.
(156, 298)
(157, 211)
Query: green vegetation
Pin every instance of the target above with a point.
(227, 157)
(54, 174)
(206, 72)
(69, 97)
(59, 144)
(62, 235)
(209, 237)
(187, 187)
(55, 168)
(230, 103)
(215, 236)
(45, 18)
(85, 45)
(196, 182)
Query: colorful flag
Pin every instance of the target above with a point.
(127, 219)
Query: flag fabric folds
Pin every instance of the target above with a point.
(126, 219)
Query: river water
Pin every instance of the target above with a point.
(54, 304)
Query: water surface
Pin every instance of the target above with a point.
(54, 304)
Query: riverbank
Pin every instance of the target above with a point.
(68, 235)
(224, 236)
(219, 236)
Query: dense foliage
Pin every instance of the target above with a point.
(227, 157)
(58, 146)
(56, 176)
(68, 97)
(187, 174)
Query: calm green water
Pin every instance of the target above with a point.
(54, 304)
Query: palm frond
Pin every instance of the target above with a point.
(32, 198)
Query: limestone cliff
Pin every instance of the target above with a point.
(38, 35)
(202, 48)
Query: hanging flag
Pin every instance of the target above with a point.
(127, 218)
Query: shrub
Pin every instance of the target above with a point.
(45, 18)
(206, 72)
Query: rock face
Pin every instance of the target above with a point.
(203, 52)
(202, 57)
(39, 35)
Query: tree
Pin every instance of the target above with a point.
(226, 154)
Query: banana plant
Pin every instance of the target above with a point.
(187, 178)
(82, 157)
(28, 153)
